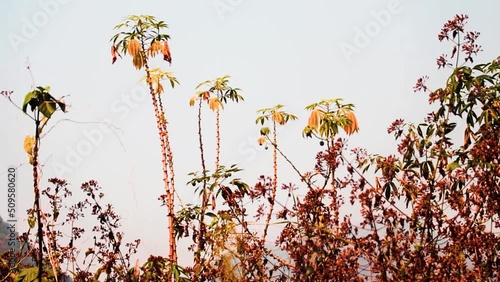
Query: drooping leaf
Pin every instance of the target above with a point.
(159, 88)
(215, 104)
(166, 52)
(352, 124)
(261, 140)
(31, 99)
(315, 119)
(29, 144)
(47, 108)
(114, 54)
(133, 47)
(192, 100)
(155, 48)
(138, 60)
(278, 118)
(387, 189)
(31, 221)
(265, 131)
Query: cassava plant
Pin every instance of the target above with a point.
(327, 117)
(42, 105)
(317, 240)
(142, 38)
(216, 94)
(222, 230)
(277, 117)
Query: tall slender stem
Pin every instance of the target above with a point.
(204, 200)
(274, 183)
(217, 137)
(166, 159)
(37, 197)
(170, 199)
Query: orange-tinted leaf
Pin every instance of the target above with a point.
(134, 47)
(278, 118)
(352, 125)
(155, 48)
(192, 101)
(214, 104)
(315, 119)
(261, 140)
(159, 88)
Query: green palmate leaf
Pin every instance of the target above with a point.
(264, 131)
(41, 99)
(47, 108)
(31, 99)
(387, 190)
(48, 105)
(260, 119)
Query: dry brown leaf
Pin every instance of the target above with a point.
(206, 95)
(114, 54)
(166, 52)
(138, 61)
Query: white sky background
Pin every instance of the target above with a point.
(286, 52)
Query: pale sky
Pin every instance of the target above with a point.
(290, 52)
